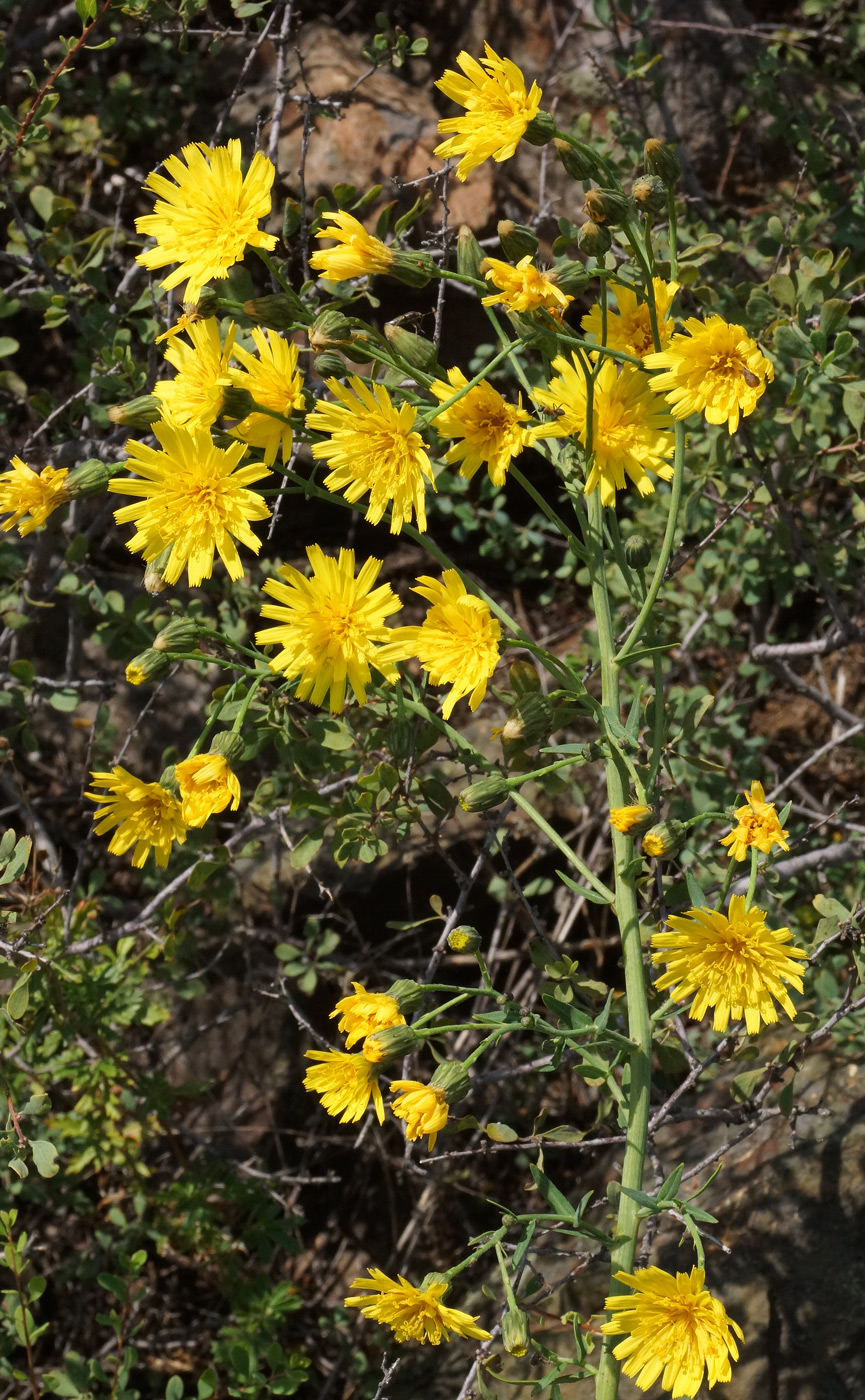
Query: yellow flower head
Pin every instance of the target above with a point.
(345, 1083)
(423, 1106)
(458, 640)
(630, 437)
(498, 110)
(414, 1314)
(357, 253)
(273, 381)
(757, 825)
(491, 429)
(365, 1012)
(716, 369)
(194, 397)
(625, 818)
(207, 785)
(674, 1330)
(146, 815)
(194, 500)
(206, 214)
(31, 494)
(524, 287)
(629, 327)
(332, 627)
(731, 962)
(373, 448)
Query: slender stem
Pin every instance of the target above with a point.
(247, 701)
(461, 393)
(658, 728)
(214, 718)
(674, 252)
(555, 519)
(274, 271)
(752, 880)
(725, 888)
(559, 842)
(666, 548)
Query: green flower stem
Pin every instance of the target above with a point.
(666, 548)
(574, 544)
(589, 154)
(752, 879)
(725, 888)
(612, 522)
(704, 817)
(445, 1006)
(645, 267)
(486, 1043)
(489, 1243)
(600, 350)
(506, 1277)
(674, 252)
(504, 339)
(561, 844)
(658, 726)
(503, 354)
(247, 701)
(639, 1025)
(542, 772)
(214, 718)
(274, 271)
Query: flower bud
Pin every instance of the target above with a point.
(469, 253)
(180, 634)
(579, 162)
(605, 206)
(464, 939)
(593, 239)
(429, 1279)
(138, 413)
(570, 275)
(485, 793)
(390, 1044)
(638, 552)
(330, 365)
(237, 402)
(664, 840)
(413, 269)
(531, 333)
(168, 780)
(662, 161)
(524, 678)
(515, 1332)
(89, 479)
(228, 744)
(331, 330)
(292, 215)
(530, 720)
(207, 304)
(278, 312)
(517, 240)
(633, 820)
(541, 129)
(407, 995)
(453, 1078)
(416, 350)
(649, 193)
(148, 665)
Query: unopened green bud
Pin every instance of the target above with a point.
(570, 275)
(531, 333)
(453, 1078)
(579, 163)
(429, 1280)
(207, 304)
(594, 240)
(330, 365)
(541, 129)
(138, 413)
(89, 479)
(148, 665)
(649, 193)
(524, 677)
(292, 215)
(180, 634)
(517, 240)
(515, 1332)
(413, 269)
(331, 330)
(228, 744)
(530, 720)
(638, 552)
(662, 161)
(168, 780)
(407, 995)
(470, 254)
(605, 206)
(280, 311)
(416, 350)
(154, 574)
(664, 840)
(237, 402)
(393, 1043)
(464, 939)
(484, 794)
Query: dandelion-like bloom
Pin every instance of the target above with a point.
(524, 287)
(194, 397)
(273, 381)
(194, 501)
(630, 435)
(146, 815)
(625, 818)
(414, 1314)
(345, 1084)
(716, 369)
(629, 327)
(30, 494)
(731, 962)
(424, 1108)
(365, 1012)
(757, 825)
(674, 1329)
(207, 214)
(498, 110)
(491, 429)
(357, 253)
(373, 447)
(332, 627)
(458, 640)
(207, 785)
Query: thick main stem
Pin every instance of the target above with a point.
(639, 1024)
